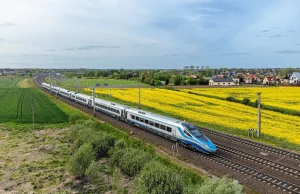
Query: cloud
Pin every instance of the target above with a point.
(275, 36)
(298, 44)
(287, 52)
(258, 36)
(265, 30)
(237, 54)
(291, 31)
(84, 48)
(136, 45)
(153, 43)
(7, 24)
(2, 40)
(92, 47)
(189, 54)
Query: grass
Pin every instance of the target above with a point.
(17, 96)
(71, 83)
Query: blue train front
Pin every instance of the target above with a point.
(191, 136)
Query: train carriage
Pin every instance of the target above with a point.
(82, 99)
(113, 109)
(65, 93)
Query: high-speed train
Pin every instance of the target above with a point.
(182, 132)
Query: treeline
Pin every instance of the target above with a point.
(188, 76)
(128, 157)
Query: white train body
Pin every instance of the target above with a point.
(173, 129)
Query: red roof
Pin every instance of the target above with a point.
(270, 78)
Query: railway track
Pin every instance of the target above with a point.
(256, 145)
(265, 176)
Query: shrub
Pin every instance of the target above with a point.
(116, 179)
(230, 98)
(85, 135)
(82, 158)
(93, 172)
(215, 186)
(158, 178)
(246, 101)
(102, 144)
(130, 160)
(120, 144)
(74, 117)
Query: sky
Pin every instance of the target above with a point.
(149, 34)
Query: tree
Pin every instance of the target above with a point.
(158, 178)
(81, 160)
(177, 80)
(192, 67)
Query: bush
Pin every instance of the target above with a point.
(93, 172)
(74, 117)
(116, 179)
(85, 135)
(102, 144)
(81, 160)
(192, 81)
(246, 101)
(130, 160)
(230, 98)
(215, 186)
(159, 179)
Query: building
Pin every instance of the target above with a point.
(295, 78)
(223, 82)
(252, 79)
(270, 80)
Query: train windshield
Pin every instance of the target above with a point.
(195, 131)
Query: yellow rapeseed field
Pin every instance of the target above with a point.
(213, 112)
(282, 97)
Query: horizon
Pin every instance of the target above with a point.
(62, 34)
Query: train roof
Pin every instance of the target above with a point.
(64, 90)
(110, 103)
(81, 95)
(154, 116)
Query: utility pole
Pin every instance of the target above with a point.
(139, 96)
(94, 101)
(259, 114)
(51, 86)
(77, 85)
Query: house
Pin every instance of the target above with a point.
(223, 82)
(252, 79)
(1, 73)
(295, 78)
(270, 80)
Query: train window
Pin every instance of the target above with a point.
(118, 112)
(151, 123)
(162, 127)
(137, 118)
(146, 121)
(132, 116)
(187, 133)
(157, 125)
(142, 120)
(169, 129)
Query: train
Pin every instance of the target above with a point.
(184, 133)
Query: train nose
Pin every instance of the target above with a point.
(212, 148)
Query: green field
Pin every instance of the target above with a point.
(71, 83)
(16, 104)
